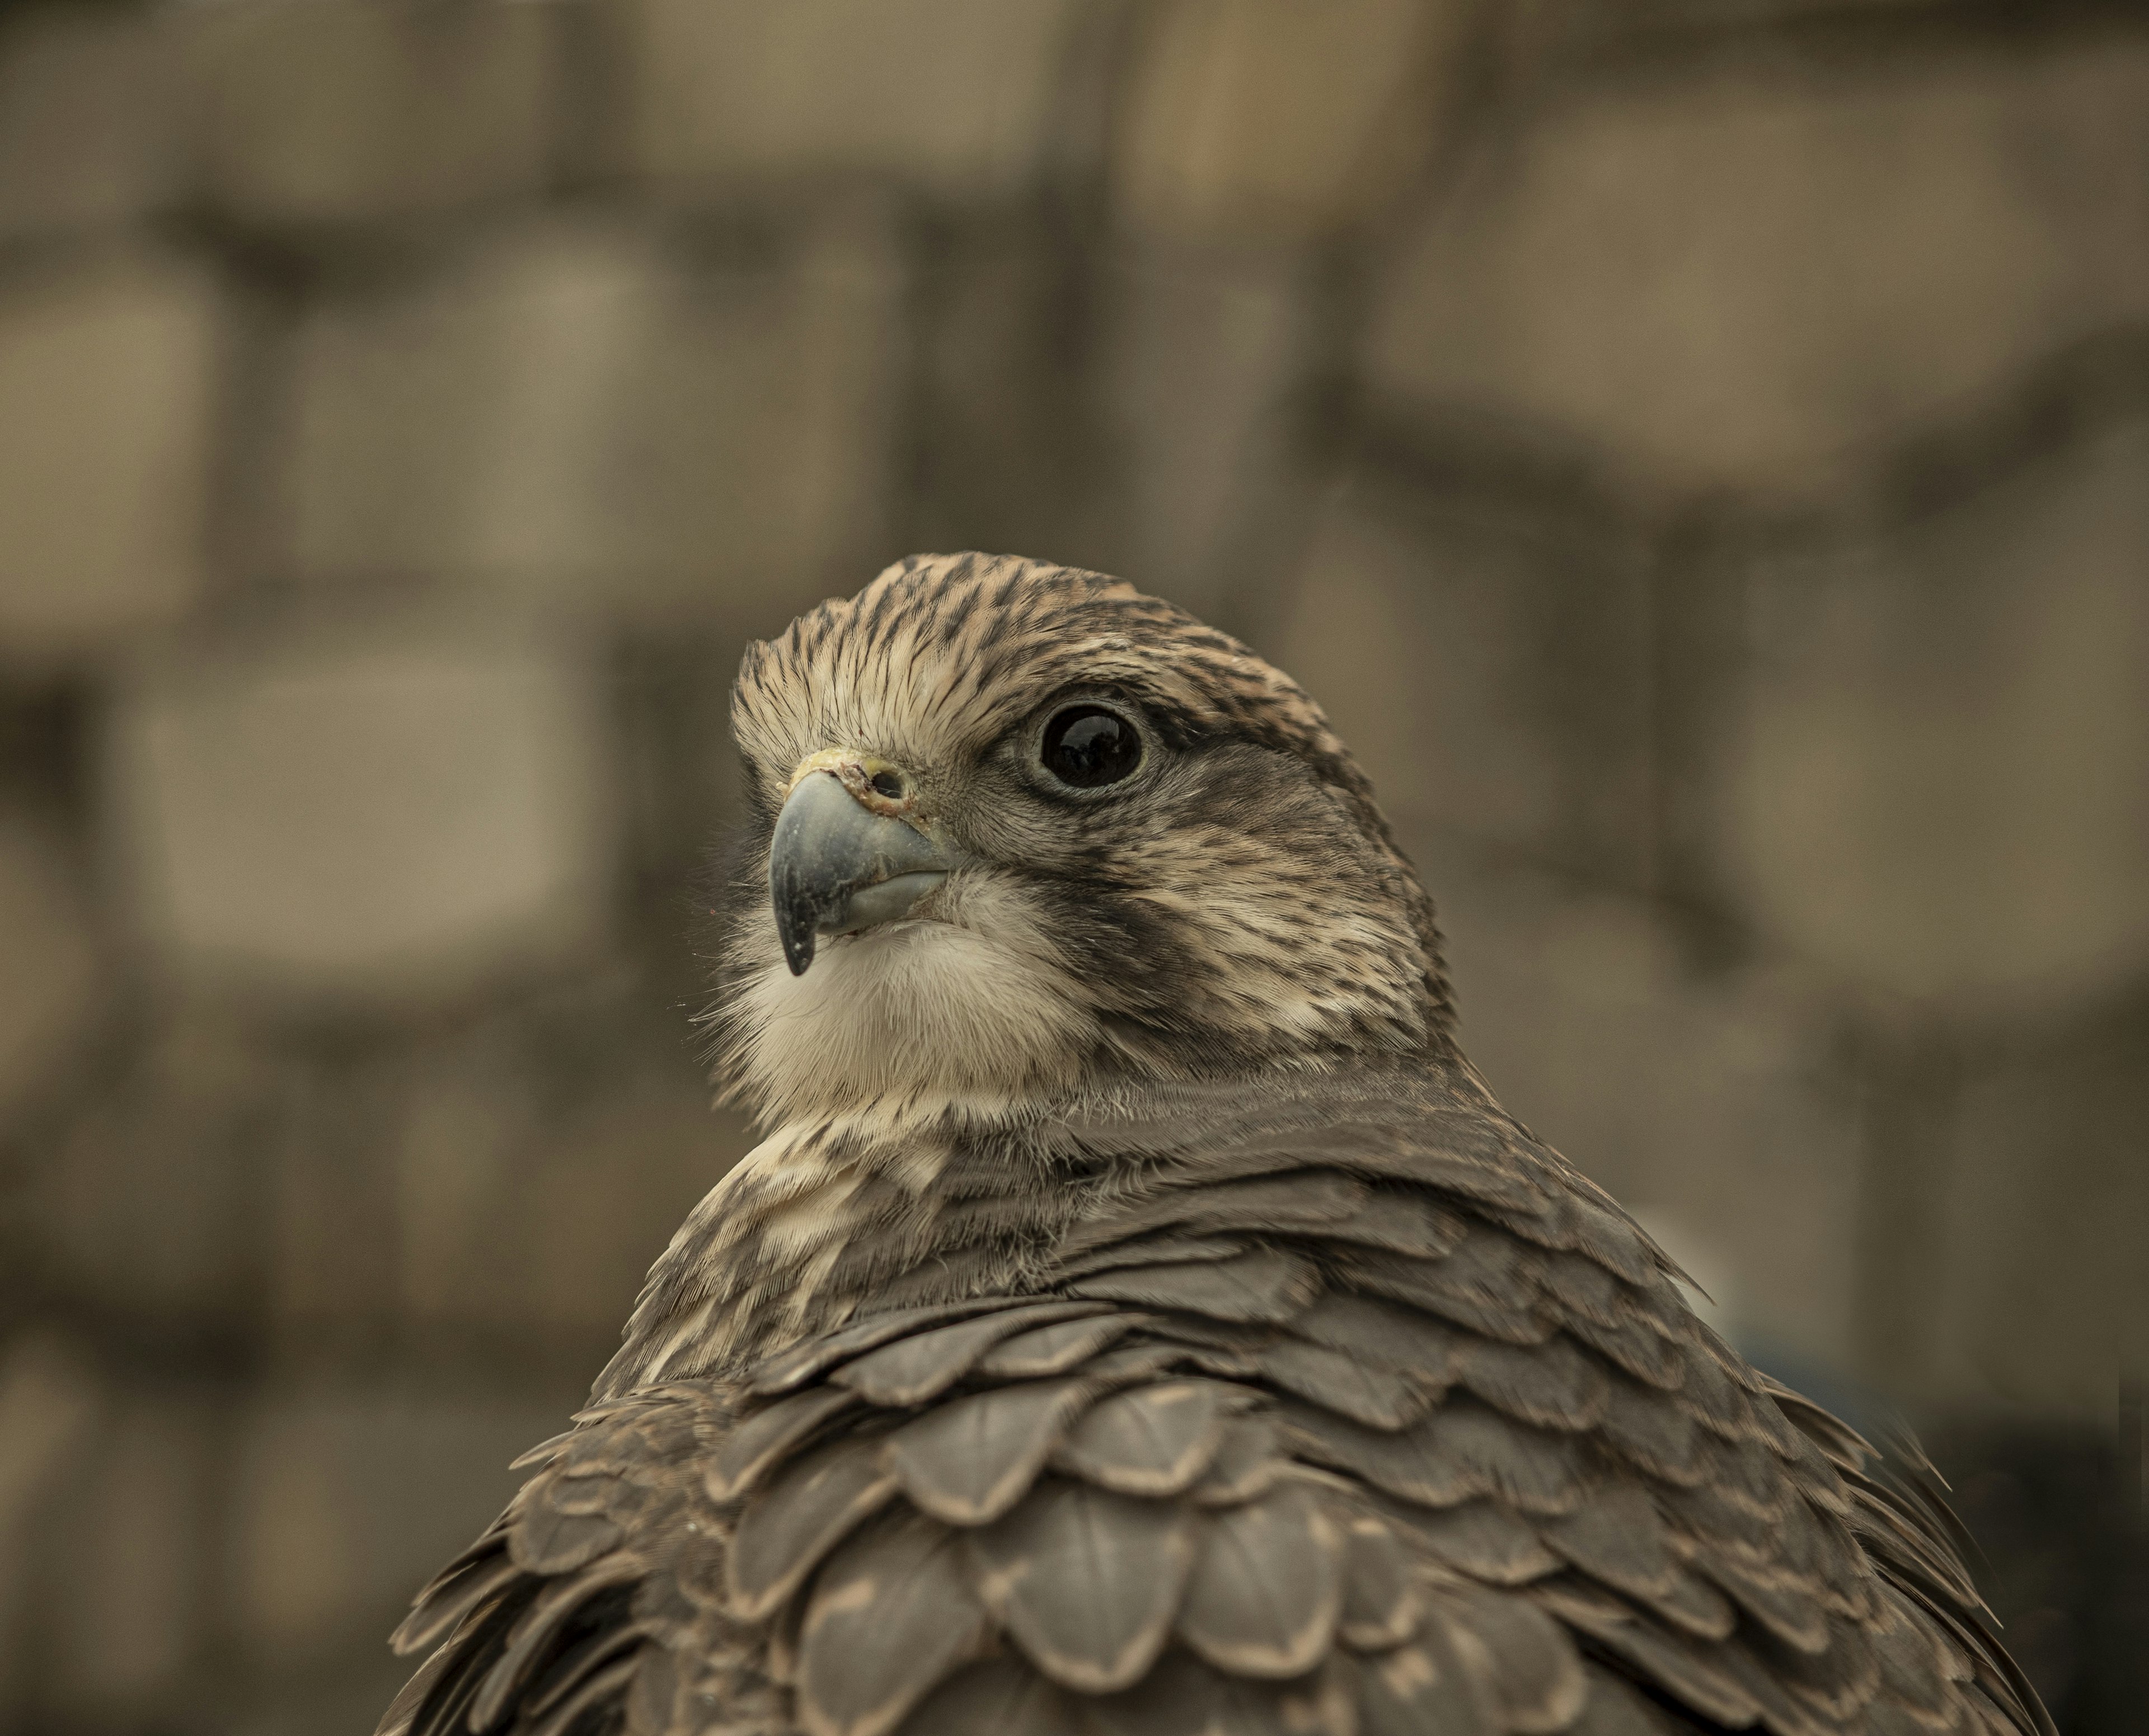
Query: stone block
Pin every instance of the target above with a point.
(50, 1402)
(86, 119)
(347, 1499)
(1205, 361)
(1713, 1104)
(2062, 1556)
(1490, 672)
(105, 1555)
(520, 1219)
(110, 377)
(997, 303)
(575, 412)
(1936, 780)
(1278, 118)
(679, 782)
(348, 1695)
(1749, 282)
(328, 1213)
(2042, 1304)
(955, 98)
(129, 1560)
(363, 808)
(350, 110)
(146, 1203)
(53, 979)
(492, 1189)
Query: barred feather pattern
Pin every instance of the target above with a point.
(1247, 904)
(1344, 1405)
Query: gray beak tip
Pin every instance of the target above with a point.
(834, 867)
(798, 902)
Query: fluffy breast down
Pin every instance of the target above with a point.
(975, 1008)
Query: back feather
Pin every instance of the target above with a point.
(1358, 1410)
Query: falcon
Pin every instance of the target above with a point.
(1140, 1318)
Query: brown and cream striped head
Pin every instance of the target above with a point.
(1021, 830)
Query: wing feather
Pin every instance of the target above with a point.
(1185, 1696)
(1485, 1541)
(1086, 1581)
(1249, 1458)
(448, 1599)
(805, 1512)
(1347, 1406)
(1148, 1440)
(1618, 1539)
(579, 1663)
(1044, 1350)
(1633, 1347)
(1264, 1285)
(1415, 1690)
(970, 1459)
(1000, 1697)
(1551, 1384)
(1402, 1221)
(1521, 1663)
(1493, 1310)
(544, 1540)
(1370, 1329)
(1266, 1589)
(1616, 1709)
(1292, 1200)
(1154, 1250)
(767, 1435)
(910, 1371)
(789, 1370)
(613, 1681)
(891, 1616)
(1656, 1436)
(1380, 1602)
(1535, 1470)
(538, 1626)
(1695, 1672)
(1364, 1392)
(1408, 1464)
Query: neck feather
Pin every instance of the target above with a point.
(826, 1216)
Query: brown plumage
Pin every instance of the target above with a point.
(1140, 1317)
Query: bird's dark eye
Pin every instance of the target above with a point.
(1089, 746)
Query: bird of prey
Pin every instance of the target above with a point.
(1140, 1318)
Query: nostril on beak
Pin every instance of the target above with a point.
(888, 784)
(845, 856)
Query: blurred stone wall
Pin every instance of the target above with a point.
(1698, 449)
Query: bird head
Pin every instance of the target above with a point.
(1019, 831)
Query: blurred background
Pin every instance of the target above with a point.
(1698, 449)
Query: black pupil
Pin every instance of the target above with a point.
(1087, 746)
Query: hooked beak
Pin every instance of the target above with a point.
(835, 866)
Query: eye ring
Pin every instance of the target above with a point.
(1088, 747)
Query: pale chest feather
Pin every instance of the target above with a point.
(906, 1019)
